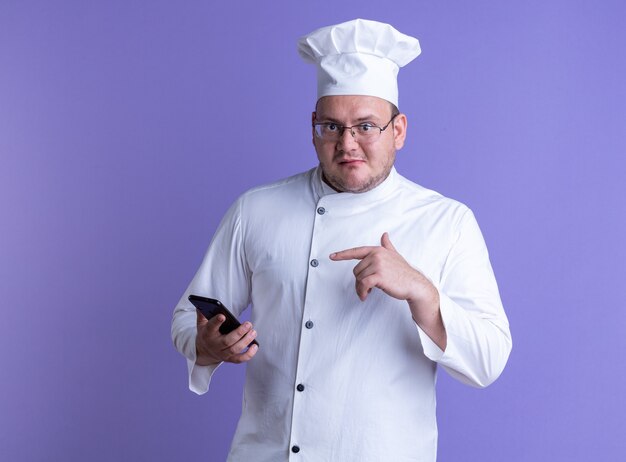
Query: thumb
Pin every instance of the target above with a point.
(212, 324)
(201, 320)
(386, 242)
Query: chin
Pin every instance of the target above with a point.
(354, 183)
(357, 186)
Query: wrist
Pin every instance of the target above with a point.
(205, 360)
(425, 306)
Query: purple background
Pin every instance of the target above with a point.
(127, 128)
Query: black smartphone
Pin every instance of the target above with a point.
(210, 307)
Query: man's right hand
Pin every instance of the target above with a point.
(212, 347)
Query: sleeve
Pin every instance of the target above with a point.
(224, 275)
(477, 329)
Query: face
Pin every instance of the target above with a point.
(347, 164)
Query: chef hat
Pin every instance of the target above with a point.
(358, 57)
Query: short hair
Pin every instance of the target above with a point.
(394, 109)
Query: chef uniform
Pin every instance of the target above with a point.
(335, 378)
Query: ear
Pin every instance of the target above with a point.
(313, 128)
(399, 130)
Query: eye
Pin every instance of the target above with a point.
(331, 127)
(366, 127)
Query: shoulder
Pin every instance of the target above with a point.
(415, 195)
(290, 184)
(278, 196)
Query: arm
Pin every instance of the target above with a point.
(479, 339)
(461, 323)
(224, 275)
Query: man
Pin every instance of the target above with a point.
(360, 281)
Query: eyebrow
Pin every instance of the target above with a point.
(367, 118)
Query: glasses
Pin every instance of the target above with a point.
(363, 133)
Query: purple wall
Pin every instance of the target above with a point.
(127, 128)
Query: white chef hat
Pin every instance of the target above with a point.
(358, 57)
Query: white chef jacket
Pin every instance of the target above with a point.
(335, 378)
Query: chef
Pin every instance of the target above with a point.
(360, 282)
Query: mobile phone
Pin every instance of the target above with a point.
(210, 307)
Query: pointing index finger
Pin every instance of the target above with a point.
(355, 253)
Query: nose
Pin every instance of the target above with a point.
(347, 140)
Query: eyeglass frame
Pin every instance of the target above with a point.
(342, 128)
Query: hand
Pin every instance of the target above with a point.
(383, 267)
(212, 347)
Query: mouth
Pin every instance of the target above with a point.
(349, 162)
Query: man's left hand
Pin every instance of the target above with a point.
(383, 267)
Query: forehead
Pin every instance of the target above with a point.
(352, 107)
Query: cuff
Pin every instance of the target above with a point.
(200, 376)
